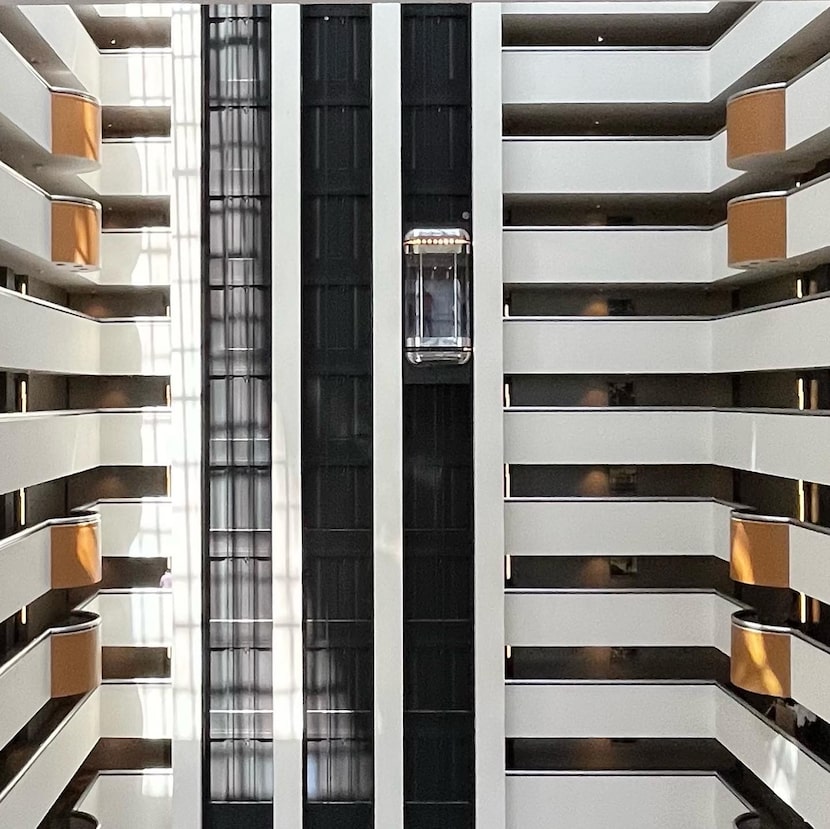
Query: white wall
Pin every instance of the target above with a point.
(26, 800)
(126, 800)
(810, 672)
(135, 257)
(594, 255)
(141, 616)
(25, 100)
(616, 619)
(613, 709)
(25, 569)
(488, 379)
(624, 801)
(184, 64)
(139, 528)
(137, 77)
(615, 165)
(137, 708)
(25, 687)
(589, 527)
(809, 555)
(138, 167)
(387, 417)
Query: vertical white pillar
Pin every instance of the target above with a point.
(286, 420)
(387, 434)
(186, 401)
(488, 382)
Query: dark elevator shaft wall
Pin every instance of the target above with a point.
(337, 416)
(439, 753)
(236, 280)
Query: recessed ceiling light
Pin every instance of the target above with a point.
(600, 38)
(112, 42)
(596, 123)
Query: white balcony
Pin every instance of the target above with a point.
(138, 617)
(135, 527)
(25, 100)
(52, 338)
(616, 527)
(607, 436)
(139, 257)
(43, 446)
(784, 336)
(792, 774)
(787, 444)
(64, 35)
(782, 442)
(809, 555)
(607, 345)
(810, 675)
(135, 167)
(139, 709)
(657, 800)
(25, 687)
(136, 77)
(592, 618)
(616, 709)
(644, 76)
(537, 166)
(596, 255)
(127, 799)
(25, 801)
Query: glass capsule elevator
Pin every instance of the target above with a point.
(236, 288)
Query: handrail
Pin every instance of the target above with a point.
(79, 517)
(748, 620)
(780, 519)
(584, 139)
(77, 621)
(615, 228)
(53, 306)
(754, 90)
(671, 409)
(765, 194)
(672, 499)
(13, 416)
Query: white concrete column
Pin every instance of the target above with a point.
(387, 432)
(286, 419)
(487, 415)
(186, 399)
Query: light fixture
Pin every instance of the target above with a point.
(600, 38)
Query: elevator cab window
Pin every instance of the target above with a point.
(437, 311)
